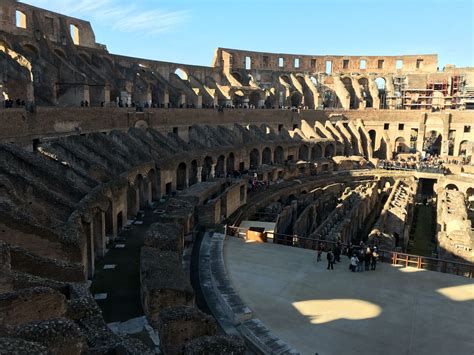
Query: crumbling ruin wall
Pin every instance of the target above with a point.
(455, 231)
(392, 228)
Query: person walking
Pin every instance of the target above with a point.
(330, 257)
(361, 257)
(354, 263)
(373, 259)
(337, 252)
(320, 250)
(368, 258)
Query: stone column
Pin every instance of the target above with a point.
(213, 171)
(199, 174)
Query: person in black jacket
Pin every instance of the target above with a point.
(330, 257)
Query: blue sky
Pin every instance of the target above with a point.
(188, 31)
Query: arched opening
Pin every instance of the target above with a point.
(237, 76)
(99, 237)
(400, 145)
(206, 169)
(296, 99)
(278, 156)
(154, 184)
(329, 151)
(380, 82)
(348, 85)
(432, 143)
(451, 187)
(140, 183)
(254, 99)
(193, 174)
(181, 177)
(30, 50)
(303, 153)
(364, 82)
(470, 198)
(230, 163)
(463, 148)
(132, 203)
(330, 99)
(254, 159)
(220, 166)
(316, 152)
(181, 74)
(266, 156)
(372, 136)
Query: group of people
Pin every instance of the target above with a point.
(361, 257)
(10, 103)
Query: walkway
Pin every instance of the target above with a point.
(391, 310)
(118, 273)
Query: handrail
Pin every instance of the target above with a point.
(396, 258)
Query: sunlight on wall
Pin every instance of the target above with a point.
(323, 311)
(458, 293)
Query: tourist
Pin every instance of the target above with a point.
(373, 259)
(368, 258)
(354, 263)
(361, 257)
(350, 250)
(319, 251)
(330, 257)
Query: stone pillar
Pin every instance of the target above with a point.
(261, 103)
(166, 99)
(199, 101)
(213, 171)
(216, 100)
(199, 174)
(182, 100)
(187, 178)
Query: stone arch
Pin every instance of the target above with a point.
(432, 142)
(31, 50)
(278, 155)
(347, 81)
(20, 87)
(152, 177)
(330, 99)
(230, 163)
(373, 137)
(463, 146)
(237, 76)
(206, 168)
(364, 82)
(316, 152)
(381, 84)
(132, 203)
(86, 58)
(255, 99)
(181, 73)
(254, 158)
(296, 99)
(266, 156)
(60, 53)
(193, 173)
(451, 187)
(400, 145)
(142, 191)
(181, 178)
(329, 151)
(303, 152)
(220, 166)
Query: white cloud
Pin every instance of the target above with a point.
(121, 15)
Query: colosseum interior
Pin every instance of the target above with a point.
(140, 200)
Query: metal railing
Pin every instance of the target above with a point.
(387, 256)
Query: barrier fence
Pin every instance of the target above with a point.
(393, 257)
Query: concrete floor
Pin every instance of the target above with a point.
(391, 310)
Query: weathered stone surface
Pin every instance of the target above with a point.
(165, 237)
(21, 346)
(215, 345)
(163, 282)
(59, 336)
(179, 325)
(28, 305)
